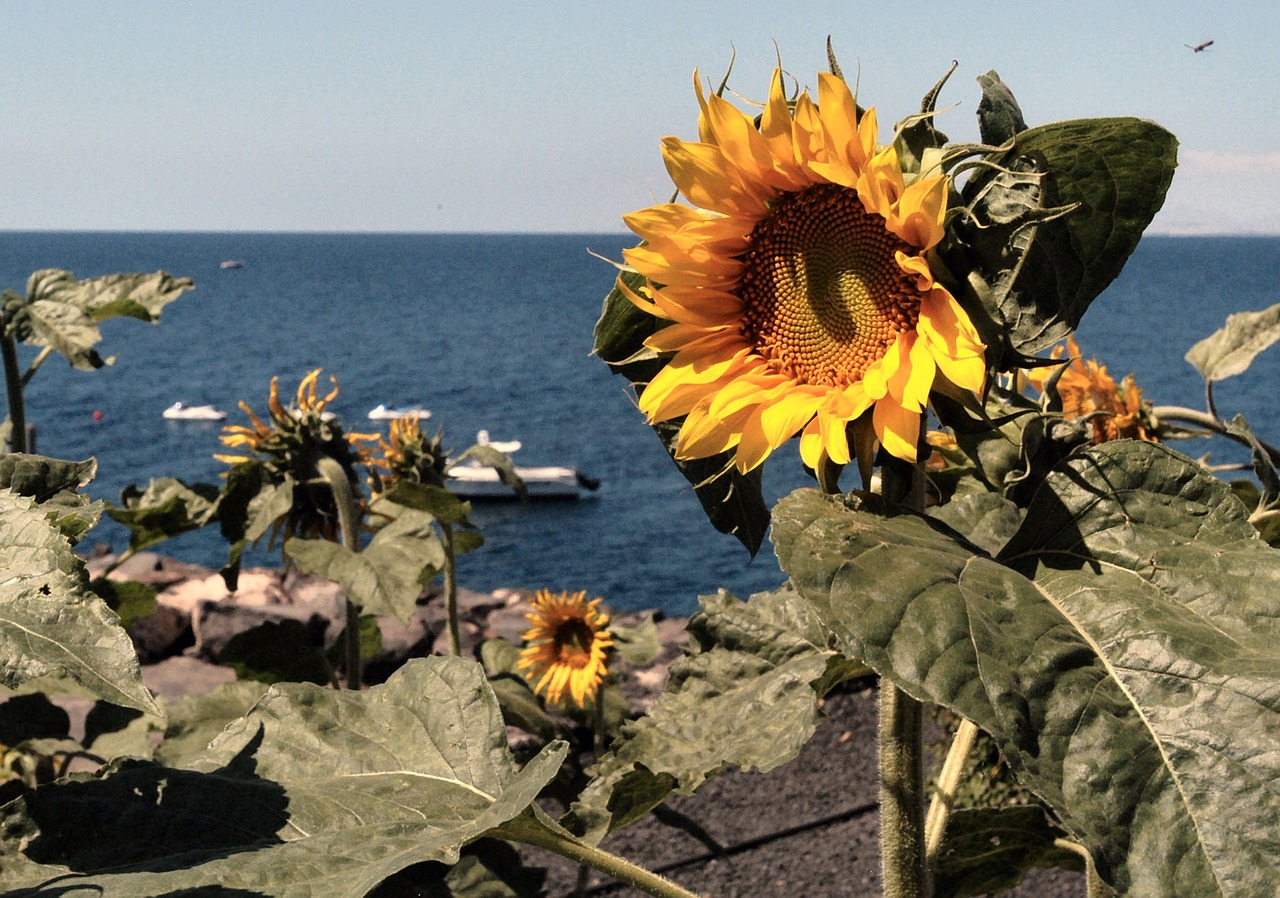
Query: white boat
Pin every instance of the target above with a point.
(231, 263)
(475, 481)
(382, 412)
(505, 446)
(180, 411)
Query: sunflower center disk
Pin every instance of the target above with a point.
(823, 295)
(573, 641)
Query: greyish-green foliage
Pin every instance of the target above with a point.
(1120, 647)
(1231, 349)
(313, 793)
(50, 621)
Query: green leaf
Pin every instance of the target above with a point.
(49, 619)
(733, 502)
(520, 706)
(1055, 219)
(197, 719)
(166, 508)
(988, 851)
(748, 698)
(53, 484)
(636, 645)
(387, 576)
(1121, 649)
(999, 115)
(1231, 349)
(314, 792)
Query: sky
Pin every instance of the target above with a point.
(547, 116)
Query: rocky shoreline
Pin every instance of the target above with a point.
(182, 643)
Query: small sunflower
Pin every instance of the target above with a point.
(796, 284)
(1114, 412)
(566, 647)
(287, 446)
(410, 455)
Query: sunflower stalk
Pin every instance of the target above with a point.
(904, 870)
(13, 385)
(450, 589)
(336, 479)
(565, 845)
(944, 796)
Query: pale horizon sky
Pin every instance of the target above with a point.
(544, 117)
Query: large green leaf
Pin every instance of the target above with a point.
(166, 508)
(314, 792)
(749, 698)
(54, 484)
(1231, 349)
(733, 502)
(1121, 648)
(387, 575)
(1043, 268)
(62, 312)
(50, 621)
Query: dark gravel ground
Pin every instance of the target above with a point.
(808, 828)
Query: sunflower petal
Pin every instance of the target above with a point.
(898, 428)
(703, 175)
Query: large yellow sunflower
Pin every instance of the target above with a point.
(566, 646)
(796, 284)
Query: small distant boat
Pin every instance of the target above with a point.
(180, 411)
(477, 482)
(507, 446)
(382, 412)
(231, 263)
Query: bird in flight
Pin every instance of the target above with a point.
(1199, 48)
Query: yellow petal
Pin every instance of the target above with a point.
(811, 444)
(675, 337)
(783, 417)
(678, 268)
(704, 176)
(921, 212)
(898, 428)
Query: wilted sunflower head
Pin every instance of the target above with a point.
(286, 449)
(566, 647)
(797, 284)
(409, 455)
(1114, 412)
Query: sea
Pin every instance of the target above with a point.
(494, 331)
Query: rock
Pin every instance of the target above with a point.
(400, 643)
(215, 623)
(159, 571)
(165, 633)
(181, 675)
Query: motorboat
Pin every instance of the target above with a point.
(180, 411)
(382, 412)
(504, 446)
(479, 482)
(231, 263)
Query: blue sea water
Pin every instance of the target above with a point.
(495, 332)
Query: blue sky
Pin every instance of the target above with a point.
(485, 116)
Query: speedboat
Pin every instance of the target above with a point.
(505, 446)
(180, 411)
(479, 482)
(382, 412)
(231, 263)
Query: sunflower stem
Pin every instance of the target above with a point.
(935, 826)
(336, 478)
(905, 872)
(522, 830)
(13, 386)
(450, 589)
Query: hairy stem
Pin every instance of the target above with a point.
(1210, 423)
(13, 387)
(935, 826)
(576, 850)
(450, 589)
(904, 870)
(345, 502)
(902, 843)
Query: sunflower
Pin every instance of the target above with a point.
(566, 646)
(410, 455)
(1114, 412)
(796, 284)
(286, 447)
